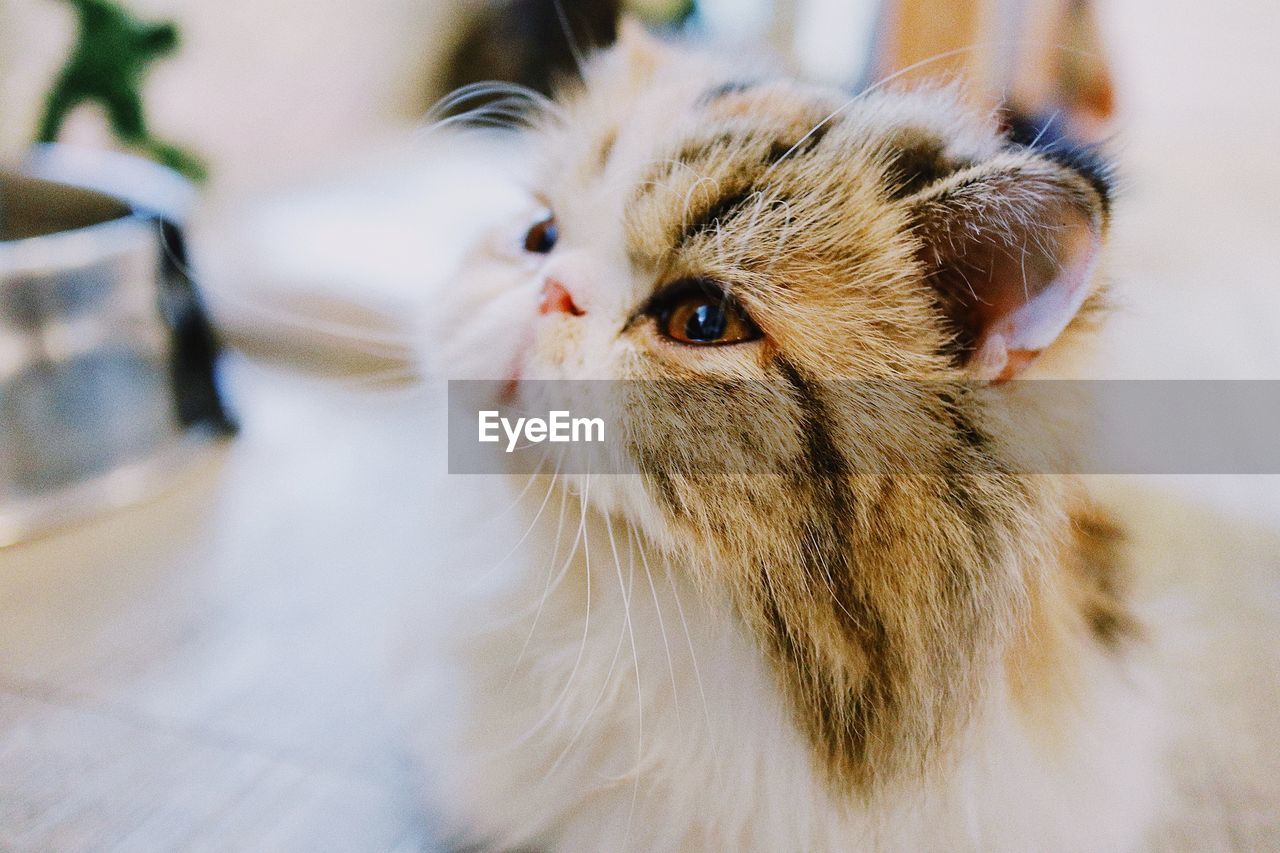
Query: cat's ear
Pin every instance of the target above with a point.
(1010, 245)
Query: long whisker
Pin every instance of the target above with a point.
(884, 81)
(586, 621)
(662, 628)
(357, 338)
(516, 501)
(1045, 129)
(528, 530)
(606, 683)
(574, 49)
(604, 688)
(693, 655)
(546, 588)
(501, 114)
(489, 88)
(391, 380)
(635, 660)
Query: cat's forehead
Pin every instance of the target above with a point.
(635, 127)
(646, 101)
(686, 154)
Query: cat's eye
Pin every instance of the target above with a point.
(702, 314)
(541, 237)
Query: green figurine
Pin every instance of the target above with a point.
(106, 66)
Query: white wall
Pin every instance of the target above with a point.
(262, 88)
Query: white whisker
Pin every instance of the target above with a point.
(574, 49)
(586, 620)
(635, 659)
(489, 88)
(390, 381)
(377, 344)
(881, 83)
(546, 588)
(693, 655)
(653, 590)
(528, 530)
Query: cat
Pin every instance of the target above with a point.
(828, 654)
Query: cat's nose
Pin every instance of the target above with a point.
(556, 298)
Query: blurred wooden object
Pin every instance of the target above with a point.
(1036, 57)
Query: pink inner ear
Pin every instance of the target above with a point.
(1031, 296)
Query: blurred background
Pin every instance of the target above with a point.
(275, 91)
(201, 669)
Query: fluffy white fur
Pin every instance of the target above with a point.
(637, 715)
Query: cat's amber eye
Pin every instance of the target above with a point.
(541, 238)
(701, 314)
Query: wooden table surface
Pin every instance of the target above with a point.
(202, 672)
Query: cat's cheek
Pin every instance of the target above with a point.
(481, 321)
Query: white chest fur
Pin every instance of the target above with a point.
(572, 691)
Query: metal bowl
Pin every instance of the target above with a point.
(107, 364)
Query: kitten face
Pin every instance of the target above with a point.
(712, 229)
(660, 179)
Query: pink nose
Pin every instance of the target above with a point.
(556, 297)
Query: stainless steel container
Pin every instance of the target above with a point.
(107, 382)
